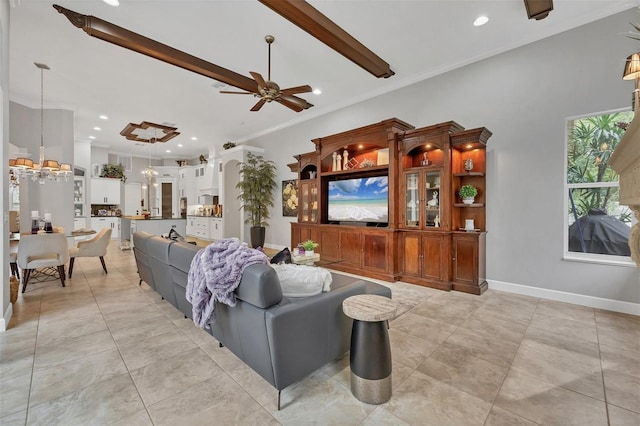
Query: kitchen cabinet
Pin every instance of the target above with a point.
(100, 222)
(215, 230)
(206, 178)
(105, 191)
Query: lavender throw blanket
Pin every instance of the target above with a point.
(214, 275)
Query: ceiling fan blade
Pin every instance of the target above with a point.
(258, 78)
(296, 100)
(235, 93)
(259, 105)
(292, 105)
(299, 89)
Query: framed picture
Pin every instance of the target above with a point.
(290, 198)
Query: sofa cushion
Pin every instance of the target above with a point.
(259, 286)
(302, 280)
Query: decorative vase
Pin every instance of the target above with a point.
(468, 164)
(308, 252)
(468, 200)
(257, 236)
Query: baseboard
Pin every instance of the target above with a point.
(562, 296)
(4, 321)
(275, 246)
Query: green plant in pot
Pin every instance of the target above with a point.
(258, 180)
(309, 246)
(113, 171)
(468, 193)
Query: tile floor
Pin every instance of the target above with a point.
(105, 351)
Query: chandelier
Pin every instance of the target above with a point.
(149, 173)
(44, 169)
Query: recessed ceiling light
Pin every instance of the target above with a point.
(112, 2)
(92, 137)
(97, 128)
(480, 21)
(168, 150)
(179, 145)
(317, 91)
(193, 138)
(104, 117)
(469, 146)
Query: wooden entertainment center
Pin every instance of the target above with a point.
(422, 238)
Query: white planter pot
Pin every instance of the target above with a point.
(308, 252)
(468, 200)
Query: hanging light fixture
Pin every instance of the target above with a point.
(44, 169)
(149, 173)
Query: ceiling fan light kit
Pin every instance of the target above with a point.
(269, 91)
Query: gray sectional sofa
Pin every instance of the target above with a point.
(282, 339)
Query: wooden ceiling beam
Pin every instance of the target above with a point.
(122, 37)
(324, 29)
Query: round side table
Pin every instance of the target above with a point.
(370, 356)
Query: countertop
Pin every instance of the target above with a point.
(200, 215)
(152, 218)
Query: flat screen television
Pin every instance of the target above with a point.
(364, 200)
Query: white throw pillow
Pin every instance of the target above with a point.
(302, 280)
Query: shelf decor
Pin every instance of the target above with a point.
(468, 193)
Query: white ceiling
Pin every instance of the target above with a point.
(419, 39)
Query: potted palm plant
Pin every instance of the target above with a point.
(258, 180)
(468, 193)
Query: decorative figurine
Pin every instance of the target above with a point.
(468, 164)
(334, 167)
(338, 162)
(425, 159)
(433, 202)
(436, 221)
(345, 160)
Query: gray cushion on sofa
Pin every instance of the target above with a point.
(259, 286)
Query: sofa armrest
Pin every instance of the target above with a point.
(307, 333)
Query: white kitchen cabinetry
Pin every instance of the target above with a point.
(105, 191)
(206, 178)
(187, 186)
(204, 228)
(216, 228)
(98, 223)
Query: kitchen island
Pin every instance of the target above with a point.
(153, 225)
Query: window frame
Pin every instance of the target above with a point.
(572, 256)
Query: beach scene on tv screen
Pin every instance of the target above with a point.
(359, 200)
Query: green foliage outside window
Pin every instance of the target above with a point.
(591, 143)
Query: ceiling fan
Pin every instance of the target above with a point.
(269, 91)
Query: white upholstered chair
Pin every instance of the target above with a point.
(42, 251)
(95, 247)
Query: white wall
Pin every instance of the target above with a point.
(5, 302)
(523, 97)
(55, 197)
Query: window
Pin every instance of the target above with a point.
(597, 226)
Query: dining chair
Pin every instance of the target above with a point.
(42, 251)
(95, 247)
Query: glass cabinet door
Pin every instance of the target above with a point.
(313, 201)
(412, 208)
(432, 199)
(78, 196)
(305, 196)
